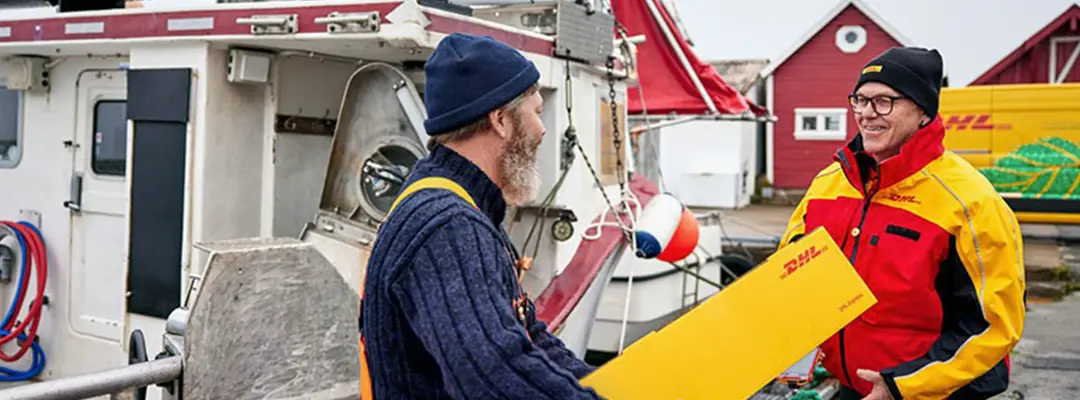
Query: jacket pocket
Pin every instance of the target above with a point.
(903, 232)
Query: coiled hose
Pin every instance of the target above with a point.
(32, 253)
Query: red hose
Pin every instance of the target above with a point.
(36, 251)
(20, 293)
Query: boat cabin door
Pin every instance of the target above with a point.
(98, 205)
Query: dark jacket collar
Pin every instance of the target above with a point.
(925, 146)
(446, 163)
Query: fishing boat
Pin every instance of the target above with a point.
(140, 140)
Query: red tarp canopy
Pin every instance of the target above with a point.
(667, 86)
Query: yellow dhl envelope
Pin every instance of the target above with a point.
(738, 340)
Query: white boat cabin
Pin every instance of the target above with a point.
(130, 135)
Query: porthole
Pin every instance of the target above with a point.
(382, 176)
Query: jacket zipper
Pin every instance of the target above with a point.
(854, 251)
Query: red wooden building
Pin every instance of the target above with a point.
(1048, 56)
(807, 90)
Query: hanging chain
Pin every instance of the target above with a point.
(569, 139)
(617, 137)
(596, 177)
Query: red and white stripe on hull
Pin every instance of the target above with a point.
(221, 20)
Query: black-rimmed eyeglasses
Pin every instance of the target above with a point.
(882, 104)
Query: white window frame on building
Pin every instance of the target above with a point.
(1056, 75)
(7, 162)
(821, 117)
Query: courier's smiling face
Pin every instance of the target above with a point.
(886, 119)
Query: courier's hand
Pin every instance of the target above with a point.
(880, 391)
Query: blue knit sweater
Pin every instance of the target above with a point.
(438, 318)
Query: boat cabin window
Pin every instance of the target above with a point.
(110, 138)
(10, 126)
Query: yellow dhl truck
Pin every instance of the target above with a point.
(1025, 138)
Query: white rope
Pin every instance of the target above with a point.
(626, 303)
(632, 205)
(628, 202)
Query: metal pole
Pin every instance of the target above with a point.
(666, 121)
(696, 275)
(669, 122)
(100, 383)
(740, 240)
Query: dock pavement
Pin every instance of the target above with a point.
(1046, 362)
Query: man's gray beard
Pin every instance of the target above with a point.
(520, 176)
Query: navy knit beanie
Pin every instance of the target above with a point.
(913, 71)
(469, 76)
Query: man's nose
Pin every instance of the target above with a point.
(868, 111)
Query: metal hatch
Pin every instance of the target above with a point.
(378, 138)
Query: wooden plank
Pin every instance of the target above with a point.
(273, 320)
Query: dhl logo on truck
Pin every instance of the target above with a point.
(975, 122)
(800, 261)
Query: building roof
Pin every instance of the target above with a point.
(831, 15)
(1070, 16)
(740, 74)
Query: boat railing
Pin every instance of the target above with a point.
(112, 381)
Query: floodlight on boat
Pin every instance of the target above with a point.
(247, 66)
(25, 73)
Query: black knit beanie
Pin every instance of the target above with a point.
(913, 71)
(468, 76)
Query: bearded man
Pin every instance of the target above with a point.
(443, 314)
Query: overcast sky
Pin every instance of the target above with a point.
(971, 34)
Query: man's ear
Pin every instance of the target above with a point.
(500, 123)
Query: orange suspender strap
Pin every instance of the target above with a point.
(424, 183)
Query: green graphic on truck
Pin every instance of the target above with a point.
(1049, 168)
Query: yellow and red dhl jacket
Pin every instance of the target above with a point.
(941, 251)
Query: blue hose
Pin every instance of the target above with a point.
(37, 364)
(24, 268)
